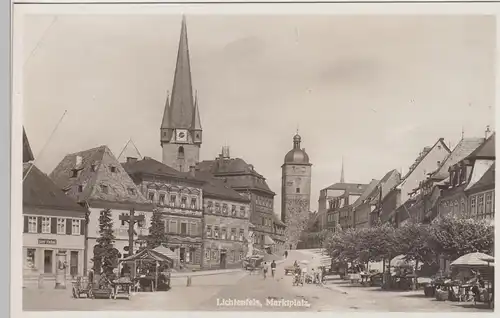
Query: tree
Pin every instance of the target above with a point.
(414, 242)
(456, 236)
(105, 254)
(157, 235)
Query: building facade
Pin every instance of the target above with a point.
(295, 192)
(96, 179)
(53, 224)
(180, 131)
(244, 179)
(340, 198)
(225, 223)
(179, 197)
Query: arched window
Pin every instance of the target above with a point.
(180, 153)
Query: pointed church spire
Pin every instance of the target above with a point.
(342, 179)
(166, 113)
(181, 101)
(196, 122)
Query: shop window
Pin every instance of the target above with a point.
(30, 258)
(75, 227)
(207, 254)
(61, 226)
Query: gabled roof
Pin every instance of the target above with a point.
(485, 151)
(214, 187)
(353, 188)
(232, 170)
(94, 173)
(370, 189)
(27, 153)
(181, 110)
(422, 155)
(488, 179)
(464, 148)
(42, 194)
(481, 168)
(153, 167)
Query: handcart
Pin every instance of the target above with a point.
(122, 286)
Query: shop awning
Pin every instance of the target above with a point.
(167, 252)
(148, 255)
(268, 240)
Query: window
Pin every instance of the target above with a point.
(80, 188)
(183, 202)
(233, 256)
(166, 222)
(61, 226)
(241, 256)
(93, 168)
(112, 169)
(209, 231)
(32, 224)
(217, 207)
(297, 190)
(216, 232)
(142, 222)
(473, 206)
(74, 173)
(30, 258)
(480, 204)
(233, 210)
(488, 203)
(180, 153)
(151, 196)
(104, 189)
(131, 191)
(123, 221)
(172, 200)
(224, 209)
(207, 254)
(173, 226)
(242, 234)
(223, 233)
(75, 227)
(161, 200)
(233, 234)
(215, 255)
(194, 229)
(183, 228)
(462, 206)
(242, 211)
(193, 203)
(210, 207)
(45, 225)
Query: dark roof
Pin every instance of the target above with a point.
(216, 188)
(226, 168)
(42, 194)
(464, 148)
(297, 155)
(371, 189)
(27, 153)
(485, 151)
(487, 180)
(386, 186)
(354, 188)
(94, 172)
(154, 167)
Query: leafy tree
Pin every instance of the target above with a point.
(157, 235)
(414, 242)
(456, 236)
(105, 254)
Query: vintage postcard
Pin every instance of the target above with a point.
(195, 159)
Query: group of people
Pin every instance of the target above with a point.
(266, 267)
(315, 277)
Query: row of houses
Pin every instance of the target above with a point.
(207, 222)
(440, 181)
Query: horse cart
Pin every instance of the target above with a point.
(82, 286)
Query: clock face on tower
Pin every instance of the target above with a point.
(181, 135)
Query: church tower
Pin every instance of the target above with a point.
(181, 132)
(295, 192)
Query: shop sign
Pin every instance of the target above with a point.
(47, 241)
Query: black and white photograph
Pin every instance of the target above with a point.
(191, 161)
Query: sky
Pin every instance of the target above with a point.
(373, 90)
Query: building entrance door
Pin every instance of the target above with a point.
(73, 270)
(222, 260)
(47, 261)
(182, 254)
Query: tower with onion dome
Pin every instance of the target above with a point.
(295, 191)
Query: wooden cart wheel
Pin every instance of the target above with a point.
(75, 293)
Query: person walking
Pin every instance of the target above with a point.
(265, 269)
(273, 268)
(286, 254)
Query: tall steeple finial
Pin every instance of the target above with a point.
(463, 132)
(342, 177)
(182, 105)
(297, 132)
(487, 132)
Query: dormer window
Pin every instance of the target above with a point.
(80, 188)
(112, 169)
(104, 189)
(74, 173)
(151, 196)
(93, 167)
(131, 191)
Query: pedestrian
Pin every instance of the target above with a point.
(273, 268)
(304, 273)
(286, 254)
(265, 269)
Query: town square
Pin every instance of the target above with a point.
(173, 163)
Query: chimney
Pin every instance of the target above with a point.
(192, 171)
(225, 152)
(439, 163)
(487, 132)
(78, 162)
(147, 158)
(131, 160)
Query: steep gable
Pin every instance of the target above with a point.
(96, 175)
(464, 148)
(486, 150)
(27, 153)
